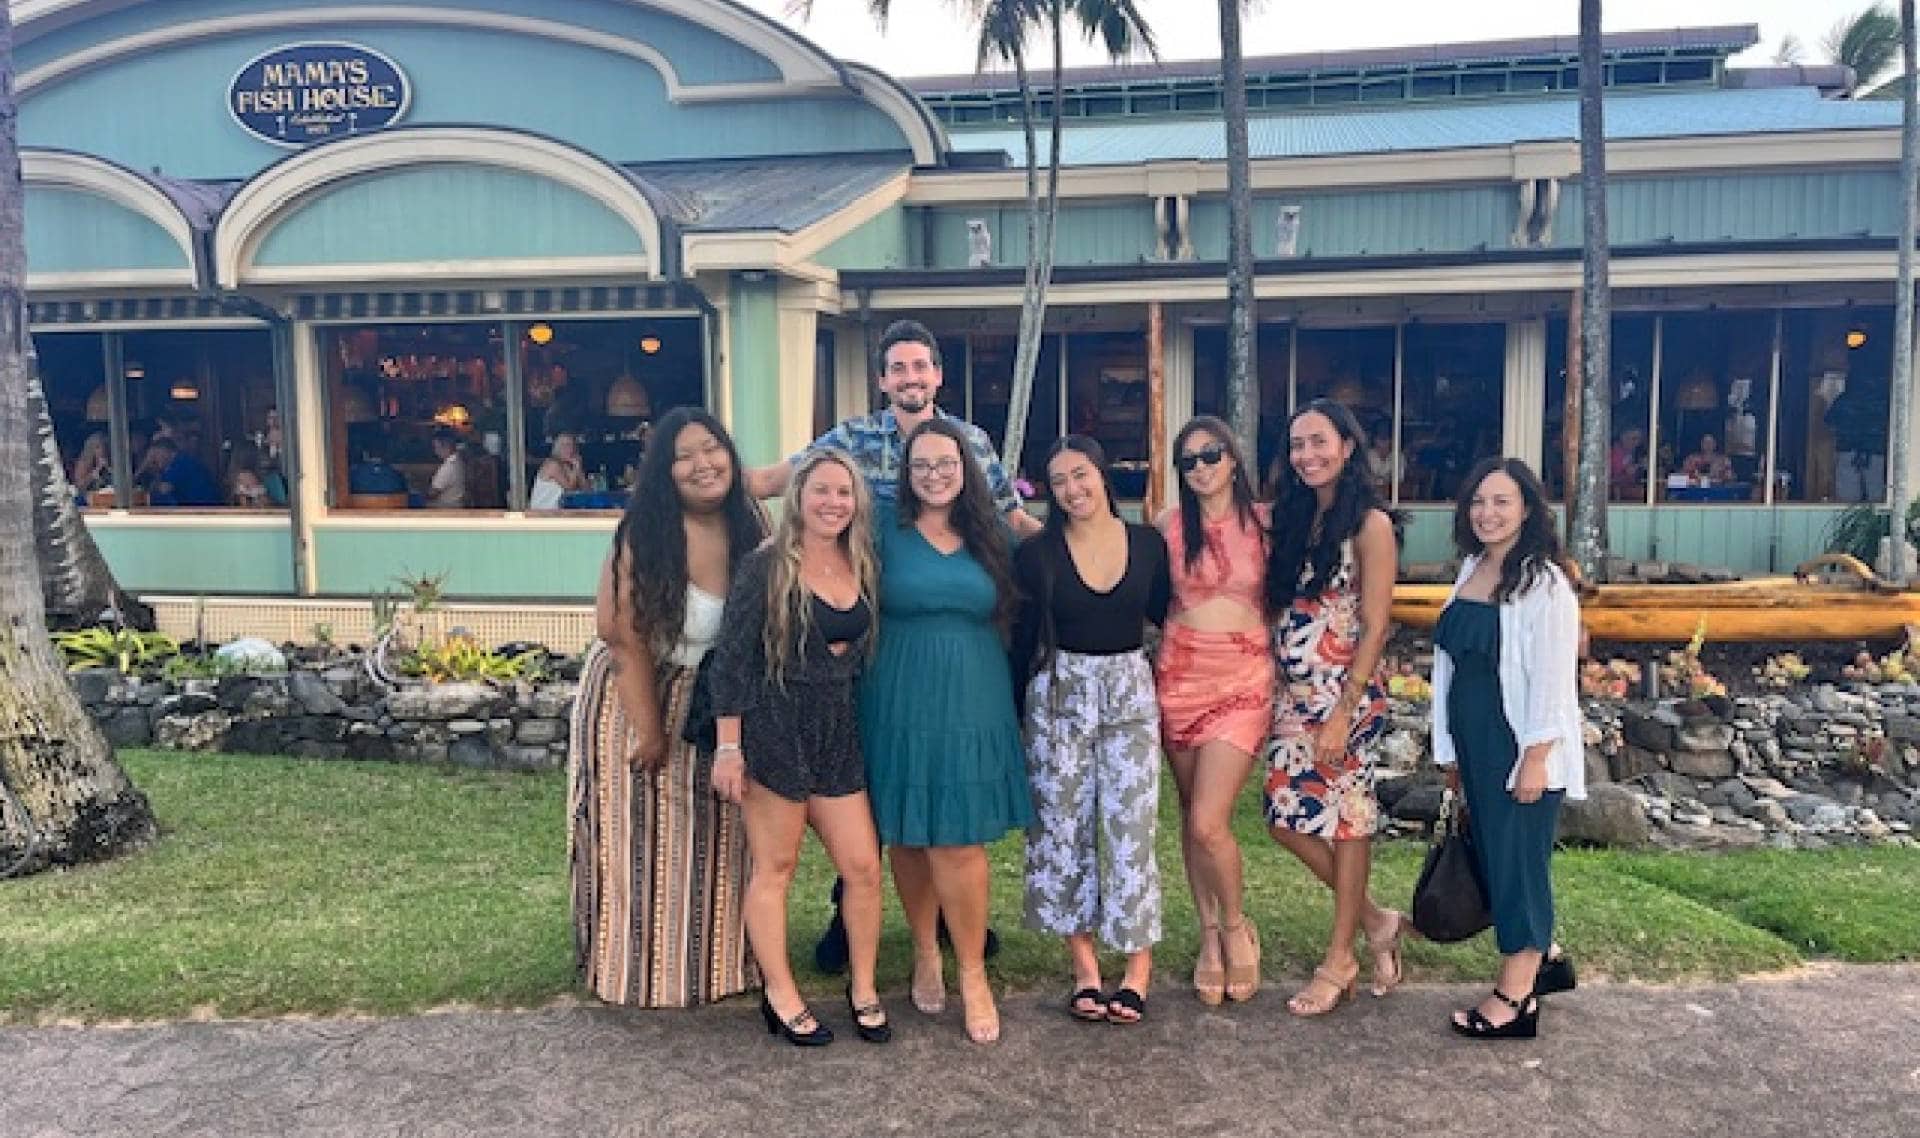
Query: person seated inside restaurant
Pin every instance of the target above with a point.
(172, 476)
(562, 474)
(93, 470)
(1708, 462)
(372, 475)
(251, 483)
(448, 491)
(1627, 465)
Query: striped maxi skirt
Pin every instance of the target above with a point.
(659, 865)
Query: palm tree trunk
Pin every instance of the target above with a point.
(1902, 410)
(1589, 525)
(1026, 349)
(76, 580)
(1243, 386)
(1033, 302)
(53, 761)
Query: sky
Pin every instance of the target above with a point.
(928, 37)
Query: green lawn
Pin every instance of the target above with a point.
(300, 886)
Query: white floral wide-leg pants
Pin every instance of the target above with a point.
(1093, 761)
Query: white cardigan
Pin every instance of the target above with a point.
(1539, 679)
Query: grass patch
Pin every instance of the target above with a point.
(299, 886)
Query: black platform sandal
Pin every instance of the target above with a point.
(1555, 975)
(1076, 1005)
(1130, 1002)
(1525, 1023)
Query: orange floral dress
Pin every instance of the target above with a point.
(1313, 644)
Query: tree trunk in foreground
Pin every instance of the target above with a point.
(1589, 496)
(54, 764)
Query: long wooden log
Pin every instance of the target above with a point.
(1798, 612)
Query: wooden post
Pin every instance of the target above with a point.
(1570, 423)
(1157, 457)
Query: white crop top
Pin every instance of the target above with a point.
(702, 626)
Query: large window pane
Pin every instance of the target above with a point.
(418, 416)
(1107, 400)
(1834, 405)
(73, 374)
(1352, 366)
(992, 358)
(1452, 396)
(1715, 370)
(593, 388)
(1631, 359)
(1272, 359)
(203, 418)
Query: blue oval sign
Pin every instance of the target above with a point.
(303, 93)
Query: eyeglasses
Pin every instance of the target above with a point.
(1193, 460)
(922, 467)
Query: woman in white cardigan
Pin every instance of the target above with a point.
(1507, 725)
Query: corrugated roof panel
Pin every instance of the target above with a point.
(1326, 133)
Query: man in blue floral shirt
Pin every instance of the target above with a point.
(908, 363)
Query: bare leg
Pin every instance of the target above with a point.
(960, 882)
(845, 826)
(1209, 975)
(774, 829)
(1085, 960)
(913, 879)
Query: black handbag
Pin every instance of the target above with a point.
(1450, 900)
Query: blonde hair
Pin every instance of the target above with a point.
(789, 607)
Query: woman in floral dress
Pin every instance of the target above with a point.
(1330, 589)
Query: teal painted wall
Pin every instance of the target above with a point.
(753, 350)
(1090, 233)
(166, 109)
(1427, 219)
(1740, 207)
(167, 558)
(75, 231)
(1749, 539)
(883, 243)
(490, 560)
(447, 213)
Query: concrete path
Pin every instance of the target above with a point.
(1825, 1052)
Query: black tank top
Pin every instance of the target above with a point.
(841, 626)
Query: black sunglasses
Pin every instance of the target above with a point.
(1193, 460)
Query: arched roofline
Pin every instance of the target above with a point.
(133, 191)
(282, 189)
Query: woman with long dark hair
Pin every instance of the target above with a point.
(800, 623)
(657, 863)
(1507, 724)
(1214, 673)
(1090, 584)
(1330, 590)
(936, 711)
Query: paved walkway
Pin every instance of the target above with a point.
(1826, 1052)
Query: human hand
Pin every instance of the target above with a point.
(730, 776)
(1330, 743)
(1531, 782)
(649, 750)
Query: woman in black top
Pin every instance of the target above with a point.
(799, 621)
(1090, 584)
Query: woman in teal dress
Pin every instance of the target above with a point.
(1507, 725)
(945, 768)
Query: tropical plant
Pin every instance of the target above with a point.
(461, 658)
(424, 591)
(1005, 29)
(1616, 679)
(125, 650)
(1588, 517)
(1868, 42)
(1859, 529)
(206, 666)
(1683, 671)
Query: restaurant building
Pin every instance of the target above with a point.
(317, 287)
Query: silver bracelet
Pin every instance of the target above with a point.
(722, 748)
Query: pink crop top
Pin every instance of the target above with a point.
(1233, 565)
